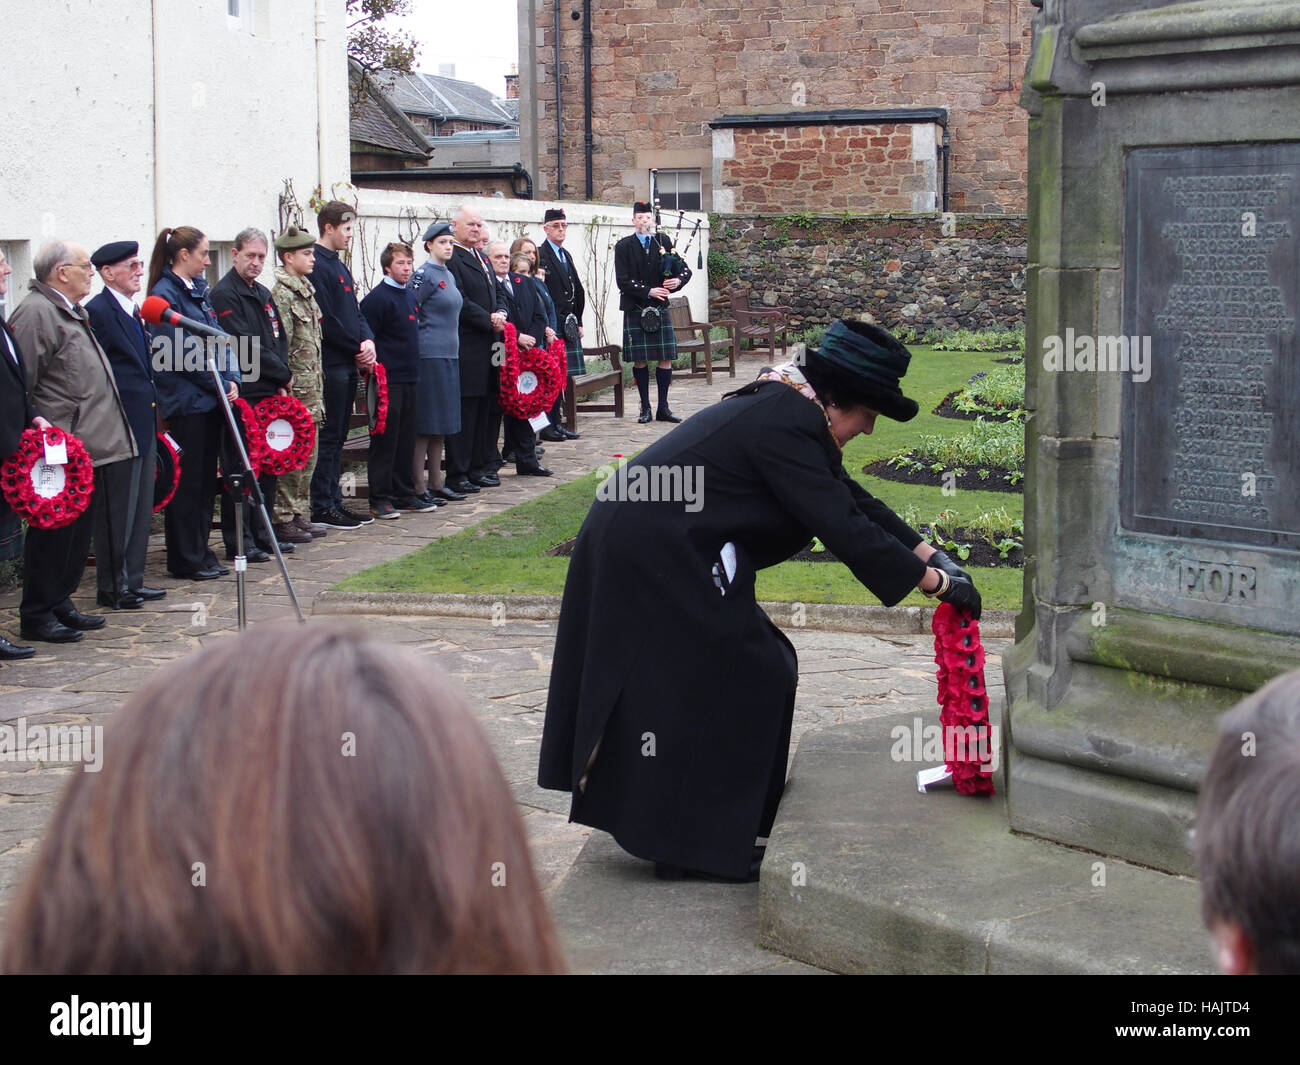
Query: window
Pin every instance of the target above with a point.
(221, 253)
(235, 14)
(15, 253)
(678, 190)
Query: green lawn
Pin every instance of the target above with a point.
(506, 554)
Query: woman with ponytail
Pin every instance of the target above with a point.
(188, 397)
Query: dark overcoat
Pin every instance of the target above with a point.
(126, 343)
(637, 270)
(563, 283)
(16, 410)
(480, 299)
(683, 740)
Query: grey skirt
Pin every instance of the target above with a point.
(437, 397)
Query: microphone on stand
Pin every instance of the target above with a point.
(157, 311)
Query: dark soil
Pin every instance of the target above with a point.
(1010, 359)
(981, 553)
(971, 479)
(947, 410)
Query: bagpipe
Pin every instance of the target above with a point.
(672, 262)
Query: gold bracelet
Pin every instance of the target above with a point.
(945, 582)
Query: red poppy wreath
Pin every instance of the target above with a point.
(48, 497)
(166, 473)
(530, 380)
(254, 435)
(967, 738)
(377, 399)
(288, 433)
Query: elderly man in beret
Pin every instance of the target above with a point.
(126, 514)
(71, 383)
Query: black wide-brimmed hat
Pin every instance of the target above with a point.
(872, 362)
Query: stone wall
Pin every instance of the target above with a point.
(901, 269)
(882, 167)
(662, 70)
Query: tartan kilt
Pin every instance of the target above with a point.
(640, 346)
(577, 364)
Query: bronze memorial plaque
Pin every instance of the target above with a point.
(1209, 443)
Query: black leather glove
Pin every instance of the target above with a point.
(963, 594)
(942, 560)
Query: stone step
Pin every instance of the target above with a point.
(864, 874)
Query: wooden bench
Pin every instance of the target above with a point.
(759, 323)
(693, 339)
(356, 448)
(585, 384)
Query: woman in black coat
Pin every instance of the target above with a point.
(672, 693)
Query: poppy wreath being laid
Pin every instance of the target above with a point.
(967, 739)
(287, 432)
(377, 399)
(254, 434)
(167, 470)
(531, 380)
(48, 497)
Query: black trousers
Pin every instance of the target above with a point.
(521, 439)
(467, 451)
(340, 393)
(53, 562)
(116, 489)
(140, 512)
(254, 533)
(188, 517)
(389, 466)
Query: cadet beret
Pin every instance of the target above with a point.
(554, 214)
(436, 229)
(642, 208)
(294, 238)
(114, 253)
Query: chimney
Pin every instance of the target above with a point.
(512, 82)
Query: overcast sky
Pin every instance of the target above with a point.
(481, 37)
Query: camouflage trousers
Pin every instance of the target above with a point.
(293, 490)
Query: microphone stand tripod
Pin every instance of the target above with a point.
(243, 486)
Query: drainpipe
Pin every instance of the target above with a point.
(588, 143)
(559, 123)
(322, 67)
(157, 102)
(947, 153)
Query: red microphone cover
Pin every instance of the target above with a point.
(153, 309)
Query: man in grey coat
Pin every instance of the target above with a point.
(71, 383)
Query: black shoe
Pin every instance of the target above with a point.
(9, 651)
(359, 516)
(449, 493)
(665, 415)
(432, 500)
(462, 488)
(644, 416)
(251, 554)
(49, 632)
(285, 549)
(535, 470)
(210, 574)
(149, 594)
(567, 433)
(665, 871)
(488, 480)
(75, 619)
(125, 601)
(507, 456)
(553, 433)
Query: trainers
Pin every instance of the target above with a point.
(334, 519)
(418, 504)
(385, 510)
(313, 530)
(362, 516)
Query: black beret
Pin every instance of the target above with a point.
(114, 253)
(554, 214)
(642, 208)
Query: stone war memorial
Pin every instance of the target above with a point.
(1162, 576)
